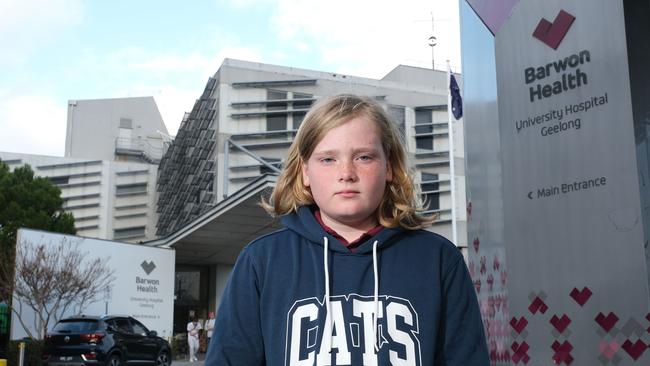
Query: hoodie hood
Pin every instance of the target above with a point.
(304, 223)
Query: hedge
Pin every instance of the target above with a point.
(33, 349)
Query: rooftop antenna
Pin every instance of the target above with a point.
(432, 42)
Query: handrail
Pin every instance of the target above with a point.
(148, 151)
(226, 178)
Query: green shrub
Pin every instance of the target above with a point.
(179, 346)
(33, 351)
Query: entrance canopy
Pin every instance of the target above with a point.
(217, 236)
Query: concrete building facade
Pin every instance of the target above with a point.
(231, 146)
(248, 114)
(117, 129)
(108, 199)
(108, 175)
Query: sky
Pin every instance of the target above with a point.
(54, 51)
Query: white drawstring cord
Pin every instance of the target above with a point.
(328, 321)
(376, 273)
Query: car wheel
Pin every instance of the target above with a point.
(163, 359)
(114, 360)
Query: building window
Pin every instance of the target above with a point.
(430, 191)
(302, 104)
(276, 122)
(129, 189)
(423, 125)
(424, 143)
(129, 232)
(126, 123)
(190, 294)
(59, 180)
(297, 119)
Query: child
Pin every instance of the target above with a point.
(352, 248)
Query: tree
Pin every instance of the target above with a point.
(53, 278)
(30, 202)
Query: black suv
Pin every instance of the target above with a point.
(111, 340)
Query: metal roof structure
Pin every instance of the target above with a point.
(218, 235)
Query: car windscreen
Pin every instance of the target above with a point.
(76, 326)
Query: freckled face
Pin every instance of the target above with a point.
(347, 174)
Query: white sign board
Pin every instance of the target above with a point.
(143, 285)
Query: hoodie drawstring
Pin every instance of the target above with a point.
(376, 273)
(328, 321)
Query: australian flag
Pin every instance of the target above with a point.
(456, 100)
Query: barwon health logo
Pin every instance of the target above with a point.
(552, 34)
(148, 267)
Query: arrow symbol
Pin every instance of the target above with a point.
(530, 195)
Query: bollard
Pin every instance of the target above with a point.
(21, 354)
(3, 362)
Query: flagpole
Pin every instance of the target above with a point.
(452, 172)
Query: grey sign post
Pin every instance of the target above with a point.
(559, 263)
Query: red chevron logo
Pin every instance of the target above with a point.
(552, 34)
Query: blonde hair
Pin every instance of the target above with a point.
(401, 204)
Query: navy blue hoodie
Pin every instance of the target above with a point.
(274, 309)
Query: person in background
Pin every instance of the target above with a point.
(209, 326)
(193, 328)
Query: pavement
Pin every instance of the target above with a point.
(183, 361)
